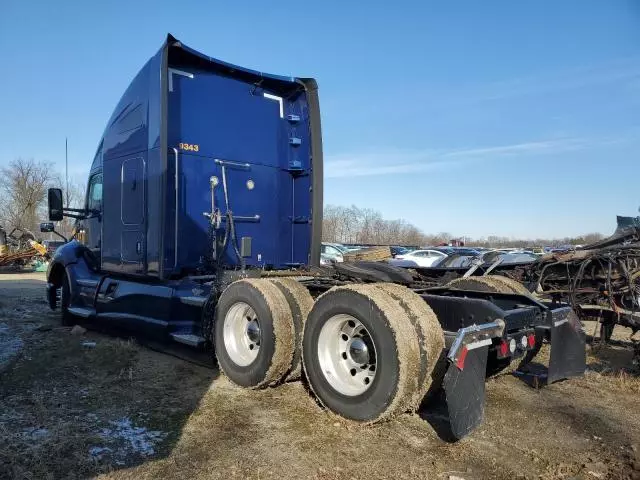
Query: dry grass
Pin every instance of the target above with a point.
(611, 366)
(50, 391)
(67, 393)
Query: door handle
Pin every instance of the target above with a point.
(111, 288)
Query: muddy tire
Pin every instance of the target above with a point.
(67, 318)
(361, 354)
(254, 335)
(511, 284)
(490, 283)
(481, 284)
(300, 303)
(427, 328)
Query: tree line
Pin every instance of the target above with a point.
(353, 225)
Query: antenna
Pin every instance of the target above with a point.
(66, 168)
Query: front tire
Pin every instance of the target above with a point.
(67, 318)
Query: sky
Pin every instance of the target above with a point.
(511, 118)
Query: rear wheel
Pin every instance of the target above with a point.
(361, 354)
(300, 303)
(254, 335)
(490, 283)
(427, 328)
(511, 284)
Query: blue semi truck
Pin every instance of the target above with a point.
(202, 225)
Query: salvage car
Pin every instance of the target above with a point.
(422, 258)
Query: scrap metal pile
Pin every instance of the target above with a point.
(19, 248)
(601, 281)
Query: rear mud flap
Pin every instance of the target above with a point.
(464, 392)
(568, 350)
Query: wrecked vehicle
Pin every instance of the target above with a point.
(466, 264)
(601, 280)
(19, 248)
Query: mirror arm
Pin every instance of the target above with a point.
(72, 215)
(76, 210)
(61, 236)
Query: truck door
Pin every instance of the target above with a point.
(90, 228)
(132, 211)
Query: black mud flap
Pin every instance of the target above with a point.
(464, 392)
(568, 352)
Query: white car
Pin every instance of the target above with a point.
(332, 252)
(422, 258)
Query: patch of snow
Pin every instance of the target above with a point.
(35, 434)
(99, 452)
(137, 440)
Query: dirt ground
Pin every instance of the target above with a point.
(93, 405)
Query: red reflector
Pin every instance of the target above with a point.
(461, 358)
(531, 340)
(503, 349)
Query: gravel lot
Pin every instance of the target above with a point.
(70, 408)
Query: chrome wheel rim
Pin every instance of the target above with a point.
(347, 355)
(242, 334)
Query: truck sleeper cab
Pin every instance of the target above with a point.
(202, 225)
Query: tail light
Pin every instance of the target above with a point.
(531, 340)
(503, 349)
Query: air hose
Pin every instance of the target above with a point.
(231, 226)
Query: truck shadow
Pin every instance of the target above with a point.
(75, 406)
(434, 411)
(175, 379)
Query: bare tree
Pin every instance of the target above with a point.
(23, 189)
(366, 226)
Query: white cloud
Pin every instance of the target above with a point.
(541, 147)
(406, 162)
(360, 165)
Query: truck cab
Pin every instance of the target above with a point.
(204, 169)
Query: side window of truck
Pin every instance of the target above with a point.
(94, 199)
